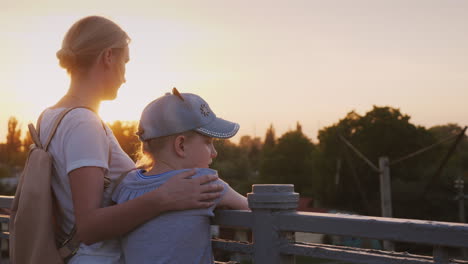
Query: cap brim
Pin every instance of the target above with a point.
(219, 128)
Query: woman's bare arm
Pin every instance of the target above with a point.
(96, 224)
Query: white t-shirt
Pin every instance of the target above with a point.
(81, 141)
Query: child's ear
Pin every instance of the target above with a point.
(179, 146)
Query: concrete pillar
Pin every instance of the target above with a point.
(266, 201)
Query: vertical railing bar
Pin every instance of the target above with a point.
(1, 248)
(441, 255)
(287, 238)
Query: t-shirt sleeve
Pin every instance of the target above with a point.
(225, 188)
(85, 141)
(219, 181)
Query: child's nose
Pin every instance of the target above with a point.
(214, 153)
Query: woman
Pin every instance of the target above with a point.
(94, 53)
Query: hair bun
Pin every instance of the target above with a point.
(67, 58)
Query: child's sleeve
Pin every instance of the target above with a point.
(226, 187)
(117, 196)
(229, 197)
(207, 171)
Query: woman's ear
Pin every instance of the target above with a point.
(179, 146)
(106, 57)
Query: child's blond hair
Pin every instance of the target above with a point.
(151, 149)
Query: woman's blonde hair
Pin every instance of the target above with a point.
(87, 39)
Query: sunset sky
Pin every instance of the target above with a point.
(256, 62)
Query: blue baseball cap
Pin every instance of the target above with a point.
(180, 112)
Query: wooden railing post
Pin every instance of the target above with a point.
(386, 195)
(266, 201)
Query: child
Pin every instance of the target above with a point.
(176, 131)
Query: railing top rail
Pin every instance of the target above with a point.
(353, 217)
(382, 228)
(5, 201)
(233, 218)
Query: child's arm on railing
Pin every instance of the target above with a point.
(233, 200)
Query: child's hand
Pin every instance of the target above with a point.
(181, 192)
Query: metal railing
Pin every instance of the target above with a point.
(273, 220)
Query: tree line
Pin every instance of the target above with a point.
(328, 170)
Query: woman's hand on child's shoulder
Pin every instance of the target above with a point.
(181, 192)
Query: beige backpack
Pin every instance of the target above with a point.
(34, 225)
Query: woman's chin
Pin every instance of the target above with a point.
(110, 97)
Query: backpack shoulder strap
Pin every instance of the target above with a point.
(56, 124)
(38, 122)
(35, 136)
(34, 131)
